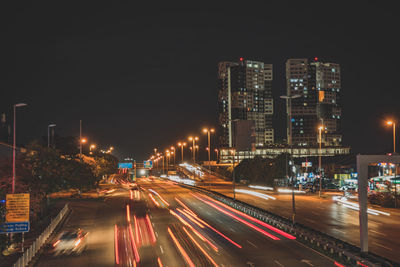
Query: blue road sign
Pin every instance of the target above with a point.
(14, 227)
(148, 164)
(127, 165)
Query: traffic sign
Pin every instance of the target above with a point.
(14, 227)
(17, 208)
(148, 164)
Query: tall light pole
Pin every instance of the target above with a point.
(48, 133)
(208, 131)
(289, 124)
(394, 134)
(233, 174)
(181, 145)
(320, 128)
(173, 152)
(194, 139)
(14, 143)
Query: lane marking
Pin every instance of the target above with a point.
(233, 230)
(280, 264)
(382, 246)
(376, 232)
(308, 262)
(162, 251)
(156, 233)
(251, 244)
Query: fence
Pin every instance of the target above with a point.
(41, 240)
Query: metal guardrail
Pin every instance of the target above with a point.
(330, 246)
(27, 256)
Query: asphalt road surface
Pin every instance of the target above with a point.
(163, 224)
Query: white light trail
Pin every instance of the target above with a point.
(257, 194)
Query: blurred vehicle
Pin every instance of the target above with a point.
(71, 242)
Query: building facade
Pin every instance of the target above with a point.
(245, 94)
(319, 104)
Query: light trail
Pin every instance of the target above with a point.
(184, 206)
(198, 245)
(159, 262)
(136, 229)
(134, 247)
(356, 206)
(128, 216)
(153, 236)
(116, 244)
(284, 190)
(261, 187)
(154, 201)
(180, 248)
(190, 218)
(289, 236)
(162, 199)
(253, 193)
(198, 234)
(240, 220)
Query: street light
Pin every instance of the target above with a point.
(394, 134)
(48, 133)
(173, 152)
(208, 131)
(289, 124)
(81, 142)
(181, 145)
(233, 152)
(194, 139)
(320, 128)
(92, 146)
(14, 144)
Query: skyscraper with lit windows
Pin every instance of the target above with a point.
(319, 85)
(245, 103)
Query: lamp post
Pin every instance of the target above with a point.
(92, 146)
(14, 143)
(173, 152)
(289, 124)
(208, 131)
(233, 173)
(181, 145)
(81, 142)
(394, 134)
(48, 133)
(193, 139)
(320, 128)
(217, 152)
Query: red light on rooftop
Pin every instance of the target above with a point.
(241, 59)
(315, 59)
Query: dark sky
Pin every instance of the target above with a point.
(144, 78)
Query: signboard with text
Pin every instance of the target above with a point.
(148, 164)
(17, 208)
(14, 227)
(306, 164)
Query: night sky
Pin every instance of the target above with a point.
(144, 78)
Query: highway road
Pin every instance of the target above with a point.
(326, 215)
(163, 224)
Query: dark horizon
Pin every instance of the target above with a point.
(146, 79)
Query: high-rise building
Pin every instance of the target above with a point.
(245, 94)
(319, 87)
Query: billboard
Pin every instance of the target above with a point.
(17, 208)
(147, 164)
(125, 165)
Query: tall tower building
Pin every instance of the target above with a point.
(319, 85)
(245, 102)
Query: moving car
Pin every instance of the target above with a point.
(71, 242)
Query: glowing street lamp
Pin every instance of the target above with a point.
(208, 131)
(182, 145)
(92, 146)
(173, 152)
(394, 134)
(194, 139)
